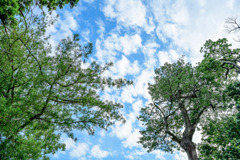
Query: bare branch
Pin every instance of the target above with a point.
(232, 26)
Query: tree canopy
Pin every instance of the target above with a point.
(45, 92)
(184, 97)
(220, 137)
(9, 9)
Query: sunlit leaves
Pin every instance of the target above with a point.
(46, 92)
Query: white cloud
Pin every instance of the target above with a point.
(149, 49)
(126, 132)
(79, 150)
(85, 35)
(132, 139)
(137, 106)
(159, 154)
(136, 154)
(188, 24)
(101, 27)
(197, 137)
(102, 133)
(122, 130)
(127, 94)
(114, 44)
(99, 153)
(70, 143)
(124, 67)
(180, 156)
(141, 85)
(127, 12)
(169, 56)
(130, 44)
(63, 27)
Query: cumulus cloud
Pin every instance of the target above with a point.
(99, 153)
(188, 25)
(180, 156)
(127, 12)
(125, 67)
(109, 48)
(79, 150)
(63, 27)
(127, 132)
(132, 139)
(159, 154)
(82, 150)
(70, 143)
(150, 49)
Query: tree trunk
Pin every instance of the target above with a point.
(189, 148)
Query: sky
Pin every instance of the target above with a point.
(137, 36)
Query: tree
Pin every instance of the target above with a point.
(181, 96)
(220, 53)
(221, 136)
(9, 9)
(44, 93)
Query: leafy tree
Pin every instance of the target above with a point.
(44, 93)
(220, 55)
(221, 136)
(9, 9)
(181, 95)
(221, 139)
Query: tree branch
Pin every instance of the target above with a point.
(174, 137)
(196, 120)
(188, 126)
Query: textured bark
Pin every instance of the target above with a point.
(189, 147)
(186, 141)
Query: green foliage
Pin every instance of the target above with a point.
(9, 9)
(221, 139)
(45, 92)
(221, 135)
(181, 94)
(219, 56)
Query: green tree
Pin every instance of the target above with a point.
(9, 9)
(221, 139)
(182, 97)
(46, 92)
(221, 136)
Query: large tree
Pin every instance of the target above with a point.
(9, 9)
(221, 136)
(182, 97)
(45, 92)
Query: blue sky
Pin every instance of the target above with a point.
(138, 36)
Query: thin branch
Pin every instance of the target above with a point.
(234, 64)
(80, 121)
(40, 68)
(174, 137)
(196, 120)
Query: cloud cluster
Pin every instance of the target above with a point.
(144, 35)
(114, 44)
(187, 25)
(82, 150)
(127, 12)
